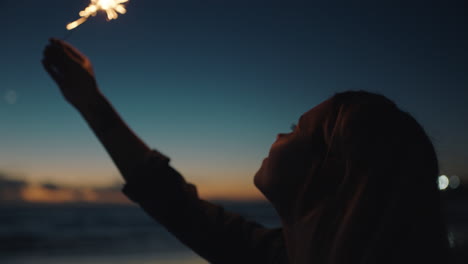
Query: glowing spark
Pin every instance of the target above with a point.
(111, 7)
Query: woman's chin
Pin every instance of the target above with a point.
(257, 177)
(263, 183)
(260, 179)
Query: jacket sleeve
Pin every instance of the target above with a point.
(210, 231)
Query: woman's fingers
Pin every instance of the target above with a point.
(53, 71)
(58, 57)
(57, 63)
(55, 53)
(71, 70)
(68, 49)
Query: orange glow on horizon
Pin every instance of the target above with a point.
(38, 194)
(229, 191)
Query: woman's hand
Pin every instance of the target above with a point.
(72, 71)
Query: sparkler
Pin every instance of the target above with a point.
(111, 7)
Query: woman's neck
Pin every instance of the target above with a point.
(300, 237)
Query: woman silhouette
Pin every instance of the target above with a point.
(355, 182)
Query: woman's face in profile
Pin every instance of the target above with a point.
(283, 173)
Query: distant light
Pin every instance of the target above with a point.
(443, 182)
(454, 182)
(451, 239)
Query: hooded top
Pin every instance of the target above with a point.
(370, 198)
(373, 197)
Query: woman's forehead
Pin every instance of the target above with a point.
(316, 115)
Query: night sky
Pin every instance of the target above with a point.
(211, 82)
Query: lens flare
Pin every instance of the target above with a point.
(111, 7)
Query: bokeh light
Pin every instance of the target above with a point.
(11, 97)
(454, 182)
(443, 182)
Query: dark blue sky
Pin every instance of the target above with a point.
(210, 83)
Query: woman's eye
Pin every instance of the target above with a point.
(293, 126)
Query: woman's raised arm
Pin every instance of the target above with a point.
(216, 235)
(73, 73)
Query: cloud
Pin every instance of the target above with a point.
(50, 186)
(110, 194)
(11, 189)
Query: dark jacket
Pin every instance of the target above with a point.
(216, 235)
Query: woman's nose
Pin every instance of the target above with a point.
(280, 135)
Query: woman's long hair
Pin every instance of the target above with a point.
(374, 194)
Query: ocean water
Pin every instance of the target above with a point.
(87, 234)
(122, 234)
